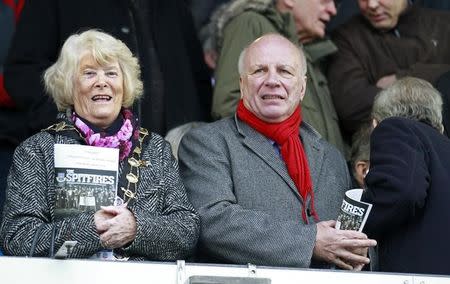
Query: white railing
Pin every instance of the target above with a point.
(69, 271)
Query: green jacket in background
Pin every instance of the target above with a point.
(241, 23)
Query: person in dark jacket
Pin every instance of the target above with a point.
(408, 181)
(391, 39)
(9, 14)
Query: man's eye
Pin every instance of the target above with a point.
(286, 73)
(111, 73)
(89, 73)
(258, 71)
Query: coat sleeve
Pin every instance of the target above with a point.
(350, 87)
(29, 205)
(231, 233)
(34, 47)
(238, 33)
(398, 178)
(434, 35)
(427, 71)
(173, 234)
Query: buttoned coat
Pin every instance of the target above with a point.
(249, 207)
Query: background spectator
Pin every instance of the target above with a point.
(390, 40)
(9, 15)
(201, 12)
(360, 155)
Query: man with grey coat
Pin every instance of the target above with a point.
(263, 181)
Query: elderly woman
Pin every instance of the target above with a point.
(409, 178)
(93, 83)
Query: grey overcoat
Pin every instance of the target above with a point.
(249, 207)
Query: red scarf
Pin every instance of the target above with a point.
(286, 135)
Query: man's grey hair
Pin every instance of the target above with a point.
(411, 98)
(301, 55)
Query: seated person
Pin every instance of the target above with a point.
(408, 180)
(263, 181)
(93, 83)
(391, 39)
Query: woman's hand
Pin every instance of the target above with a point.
(116, 226)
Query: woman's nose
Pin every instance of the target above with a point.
(101, 81)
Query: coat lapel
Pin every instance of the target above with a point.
(314, 152)
(262, 147)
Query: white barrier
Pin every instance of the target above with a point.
(52, 271)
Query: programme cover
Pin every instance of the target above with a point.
(85, 178)
(354, 212)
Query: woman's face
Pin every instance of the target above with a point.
(98, 91)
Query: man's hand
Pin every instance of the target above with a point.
(346, 249)
(386, 81)
(116, 226)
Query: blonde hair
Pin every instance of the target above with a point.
(60, 77)
(411, 98)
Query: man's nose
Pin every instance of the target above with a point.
(331, 8)
(273, 78)
(373, 4)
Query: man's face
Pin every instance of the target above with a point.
(311, 17)
(382, 14)
(271, 83)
